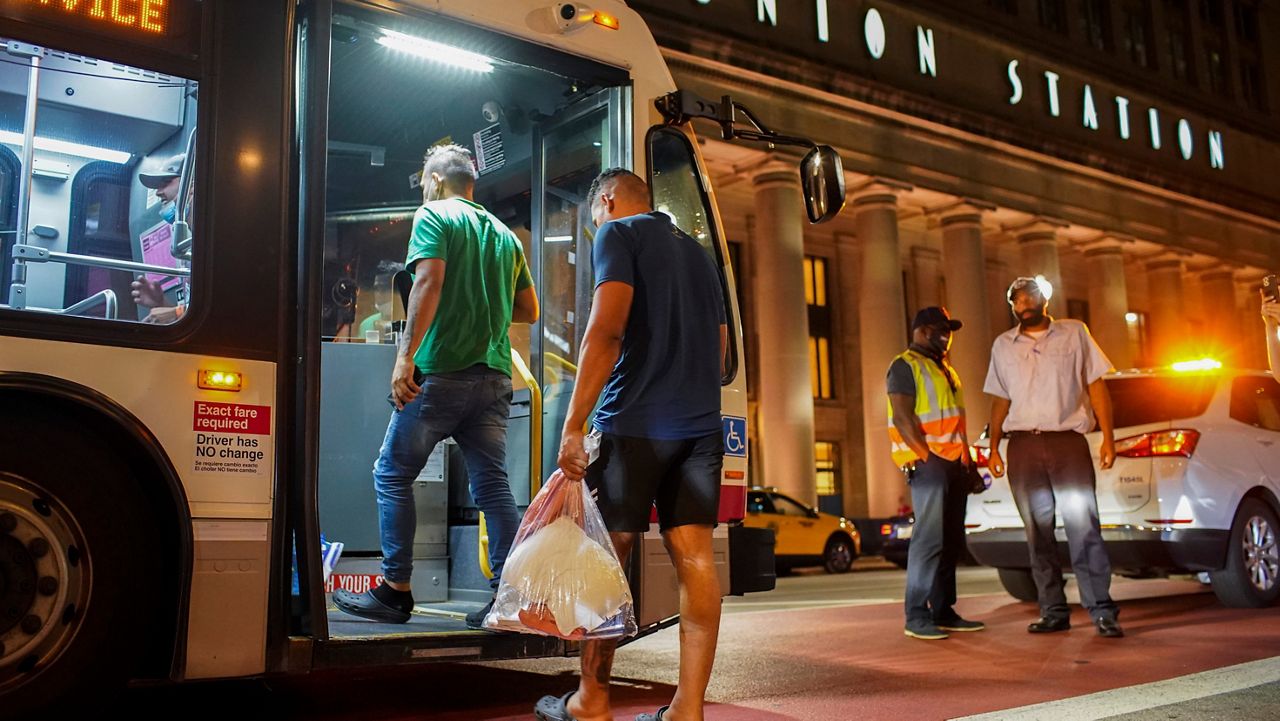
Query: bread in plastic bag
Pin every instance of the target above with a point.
(562, 577)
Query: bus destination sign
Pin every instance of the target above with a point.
(145, 16)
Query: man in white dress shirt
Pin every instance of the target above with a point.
(1047, 390)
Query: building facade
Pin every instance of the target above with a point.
(1126, 150)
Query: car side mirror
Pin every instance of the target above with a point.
(822, 178)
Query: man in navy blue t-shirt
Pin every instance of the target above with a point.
(655, 345)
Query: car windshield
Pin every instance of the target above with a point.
(1141, 400)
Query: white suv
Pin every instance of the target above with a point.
(1195, 487)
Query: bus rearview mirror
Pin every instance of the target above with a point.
(822, 177)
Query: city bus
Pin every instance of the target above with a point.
(204, 212)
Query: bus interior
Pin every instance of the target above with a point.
(541, 126)
(94, 227)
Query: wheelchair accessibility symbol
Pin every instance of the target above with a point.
(735, 436)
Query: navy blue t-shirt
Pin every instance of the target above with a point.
(666, 384)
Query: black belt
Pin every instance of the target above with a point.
(1028, 434)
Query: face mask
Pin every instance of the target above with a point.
(169, 212)
(938, 343)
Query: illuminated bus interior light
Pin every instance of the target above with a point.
(68, 148)
(557, 239)
(1204, 364)
(1131, 317)
(436, 52)
(211, 380)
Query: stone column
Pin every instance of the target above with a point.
(1168, 331)
(967, 300)
(883, 320)
(782, 322)
(1223, 338)
(849, 346)
(1038, 243)
(925, 267)
(999, 276)
(1109, 300)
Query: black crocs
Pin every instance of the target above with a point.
(655, 716)
(553, 708)
(366, 605)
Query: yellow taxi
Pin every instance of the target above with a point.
(804, 535)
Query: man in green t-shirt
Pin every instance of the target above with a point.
(452, 375)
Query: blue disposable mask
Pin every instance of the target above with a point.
(169, 212)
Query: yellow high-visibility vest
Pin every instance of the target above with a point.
(939, 409)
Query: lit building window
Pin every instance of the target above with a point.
(815, 297)
(827, 457)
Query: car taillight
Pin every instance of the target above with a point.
(1180, 442)
(886, 529)
(980, 455)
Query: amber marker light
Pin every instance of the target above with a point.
(606, 20)
(219, 380)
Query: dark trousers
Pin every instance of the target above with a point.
(1054, 471)
(938, 496)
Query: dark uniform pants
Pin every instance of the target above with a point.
(939, 493)
(1054, 471)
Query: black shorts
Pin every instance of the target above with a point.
(681, 477)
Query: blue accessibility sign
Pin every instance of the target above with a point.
(735, 436)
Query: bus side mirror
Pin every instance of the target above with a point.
(822, 177)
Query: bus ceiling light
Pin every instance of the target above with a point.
(436, 52)
(1046, 288)
(557, 239)
(79, 150)
(1131, 317)
(211, 380)
(1191, 366)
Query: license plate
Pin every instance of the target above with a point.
(904, 532)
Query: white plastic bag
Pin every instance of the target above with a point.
(563, 577)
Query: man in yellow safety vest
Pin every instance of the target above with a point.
(926, 425)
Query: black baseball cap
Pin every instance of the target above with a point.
(933, 315)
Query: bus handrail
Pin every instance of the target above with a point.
(36, 254)
(535, 423)
(106, 298)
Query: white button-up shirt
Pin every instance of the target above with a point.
(1046, 380)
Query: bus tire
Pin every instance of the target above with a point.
(72, 528)
(1250, 579)
(1018, 583)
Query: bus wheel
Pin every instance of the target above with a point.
(69, 565)
(1251, 578)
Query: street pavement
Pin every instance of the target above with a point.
(831, 647)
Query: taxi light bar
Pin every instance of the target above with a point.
(1159, 444)
(1203, 364)
(219, 380)
(606, 20)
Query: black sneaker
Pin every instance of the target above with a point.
(955, 623)
(924, 630)
(475, 619)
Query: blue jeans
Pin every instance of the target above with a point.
(473, 406)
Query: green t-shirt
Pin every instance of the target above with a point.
(484, 267)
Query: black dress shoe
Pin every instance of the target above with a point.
(1049, 625)
(1109, 628)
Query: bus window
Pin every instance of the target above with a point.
(678, 191)
(95, 162)
(539, 131)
